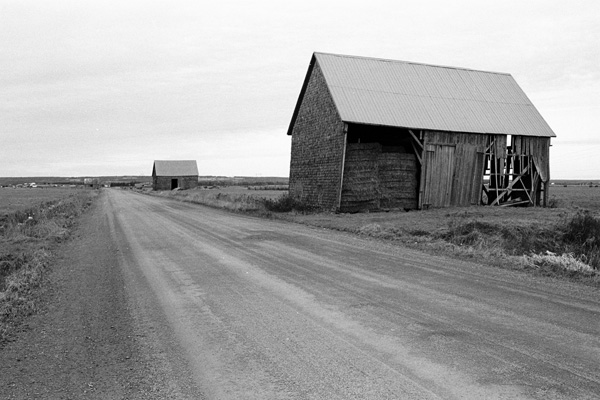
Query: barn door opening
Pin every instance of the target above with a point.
(439, 173)
(380, 169)
(516, 175)
(174, 183)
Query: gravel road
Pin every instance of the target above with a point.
(157, 299)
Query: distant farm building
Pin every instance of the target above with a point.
(370, 134)
(173, 174)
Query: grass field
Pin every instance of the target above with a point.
(575, 196)
(32, 223)
(20, 199)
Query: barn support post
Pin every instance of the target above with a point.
(478, 185)
(341, 187)
(419, 150)
(423, 171)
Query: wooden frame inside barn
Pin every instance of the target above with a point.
(370, 134)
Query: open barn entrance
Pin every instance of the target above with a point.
(517, 174)
(174, 183)
(380, 169)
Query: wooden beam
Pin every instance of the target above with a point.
(416, 152)
(487, 195)
(421, 158)
(496, 183)
(516, 203)
(422, 179)
(529, 196)
(343, 166)
(415, 139)
(534, 186)
(508, 189)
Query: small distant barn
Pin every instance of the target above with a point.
(370, 134)
(172, 174)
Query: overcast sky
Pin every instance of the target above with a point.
(106, 87)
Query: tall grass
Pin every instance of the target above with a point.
(238, 202)
(573, 244)
(581, 235)
(27, 240)
(286, 203)
(512, 239)
(569, 246)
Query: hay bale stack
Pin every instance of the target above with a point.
(398, 180)
(360, 189)
(377, 178)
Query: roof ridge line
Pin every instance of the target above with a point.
(411, 63)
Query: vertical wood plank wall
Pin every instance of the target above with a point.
(453, 168)
(439, 159)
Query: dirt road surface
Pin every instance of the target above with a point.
(158, 299)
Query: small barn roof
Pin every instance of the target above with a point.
(421, 96)
(175, 168)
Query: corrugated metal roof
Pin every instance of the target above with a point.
(175, 168)
(421, 96)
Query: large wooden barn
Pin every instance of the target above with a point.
(172, 174)
(371, 134)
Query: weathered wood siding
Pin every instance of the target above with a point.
(452, 169)
(439, 168)
(375, 179)
(317, 146)
(539, 148)
(498, 164)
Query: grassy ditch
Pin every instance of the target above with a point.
(558, 244)
(232, 201)
(246, 200)
(27, 241)
(570, 246)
